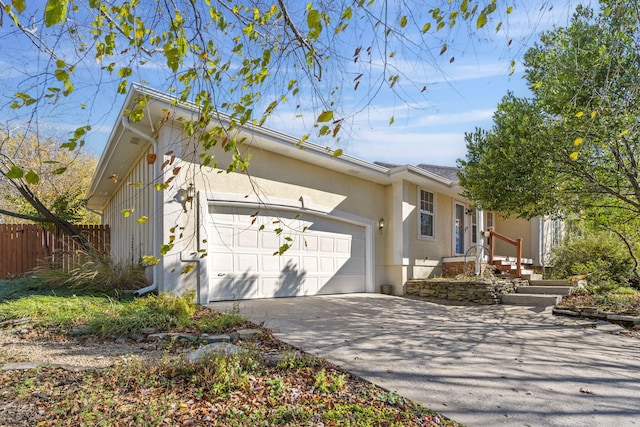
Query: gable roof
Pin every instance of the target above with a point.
(124, 147)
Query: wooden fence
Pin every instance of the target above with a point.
(24, 246)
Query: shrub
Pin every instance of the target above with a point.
(601, 256)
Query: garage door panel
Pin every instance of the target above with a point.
(327, 244)
(248, 239)
(245, 286)
(248, 262)
(222, 235)
(327, 265)
(326, 258)
(310, 264)
(269, 286)
(231, 286)
(358, 248)
(343, 246)
(269, 240)
(270, 263)
(310, 243)
(352, 266)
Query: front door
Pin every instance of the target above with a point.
(459, 229)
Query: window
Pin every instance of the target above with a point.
(427, 214)
(474, 226)
(556, 232)
(490, 220)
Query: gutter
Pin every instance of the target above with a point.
(156, 229)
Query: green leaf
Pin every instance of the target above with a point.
(482, 20)
(15, 173)
(32, 178)
(464, 6)
(125, 72)
(142, 219)
(59, 171)
(325, 116)
(403, 21)
(19, 5)
(127, 212)
(95, 4)
(150, 260)
(55, 12)
(337, 153)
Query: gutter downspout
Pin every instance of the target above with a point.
(156, 230)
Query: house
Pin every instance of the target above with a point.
(349, 225)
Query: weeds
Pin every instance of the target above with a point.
(297, 360)
(103, 275)
(325, 383)
(221, 323)
(163, 311)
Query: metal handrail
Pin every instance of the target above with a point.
(517, 243)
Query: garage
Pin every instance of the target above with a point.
(326, 255)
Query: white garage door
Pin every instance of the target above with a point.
(326, 256)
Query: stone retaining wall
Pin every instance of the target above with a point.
(629, 321)
(477, 291)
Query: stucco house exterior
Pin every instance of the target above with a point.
(350, 225)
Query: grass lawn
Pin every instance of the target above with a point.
(247, 388)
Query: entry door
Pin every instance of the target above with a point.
(460, 227)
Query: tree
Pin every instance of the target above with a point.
(247, 59)
(62, 178)
(574, 147)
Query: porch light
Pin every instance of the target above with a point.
(186, 195)
(381, 224)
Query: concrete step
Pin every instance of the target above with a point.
(530, 299)
(531, 276)
(545, 290)
(549, 282)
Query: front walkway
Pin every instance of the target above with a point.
(480, 365)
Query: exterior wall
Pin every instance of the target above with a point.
(130, 240)
(271, 178)
(514, 228)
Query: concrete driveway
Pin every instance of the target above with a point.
(479, 365)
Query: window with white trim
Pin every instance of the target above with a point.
(489, 219)
(427, 214)
(474, 226)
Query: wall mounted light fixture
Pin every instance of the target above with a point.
(186, 195)
(381, 224)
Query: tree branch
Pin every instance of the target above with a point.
(23, 216)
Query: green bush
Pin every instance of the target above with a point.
(602, 257)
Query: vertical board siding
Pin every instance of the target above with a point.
(132, 239)
(24, 246)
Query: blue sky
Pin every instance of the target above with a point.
(461, 95)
